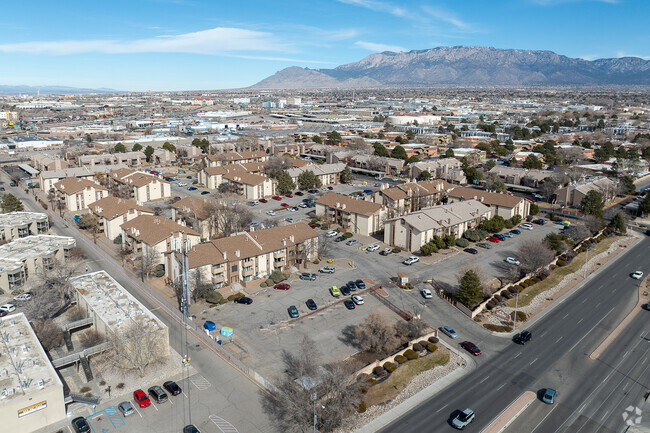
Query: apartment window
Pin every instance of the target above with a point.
(248, 268)
(246, 260)
(233, 268)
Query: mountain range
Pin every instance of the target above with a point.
(465, 66)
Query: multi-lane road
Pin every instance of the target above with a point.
(592, 393)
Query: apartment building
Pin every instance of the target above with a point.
(449, 169)
(573, 194)
(236, 157)
(112, 212)
(353, 215)
(328, 174)
(43, 162)
(410, 232)
(131, 159)
(195, 213)
(251, 186)
(143, 187)
(163, 157)
(412, 196)
(78, 193)
(47, 179)
(504, 205)
(522, 176)
(245, 257)
(16, 225)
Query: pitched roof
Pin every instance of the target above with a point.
(111, 207)
(318, 170)
(485, 197)
(246, 178)
(447, 215)
(152, 229)
(134, 178)
(413, 189)
(74, 185)
(237, 156)
(198, 206)
(349, 204)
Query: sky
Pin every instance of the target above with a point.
(160, 45)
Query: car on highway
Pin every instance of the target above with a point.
(8, 308)
(125, 409)
(411, 260)
(307, 276)
(372, 248)
(327, 270)
(463, 419)
(512, 261)
(523, 337)
(357, 299)
(192, 188)
(282, 286)
(386, 251)
(549, 396)
(515, 231)
(345, 290)
(471, 348)
(448, 331)
(526, 226)
(335, 291)
(471, 250)
(141, 398)
(349, 304)
(311, 304)
(360, 284)
(331, 234)
(484, 245)
(158, 394)
(426, 293)
(293, 312)
(81, 425)
(493, 239)
(243, 300)
(636, 275)
(340, 239)
(352, 242)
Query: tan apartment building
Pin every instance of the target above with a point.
(572, 195)
(412, 196)
(43, 162)
(79, 194)
(328, 174)
(195, 213)
(251, 186)
(112, 212)
(449, 169)
(410, 232)
(131, 159)
(143, 187)
(504, 205)
(15, 225)
(236, 157)
(47, 179)
(245, 257)
(353, 215)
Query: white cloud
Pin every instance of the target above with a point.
(446, 16)
(624, 54)
(378, 6)
(378, 48)
(218, 40)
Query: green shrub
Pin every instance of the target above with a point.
(347, 235)
(410, 355)
(530, 282)
(15, 292)
(263, 285)
(536, 280)
(561, 262)
(553, 267)
(362, 407)
(389, 366)
(372, 382)
(400, 359)
(423, 343)
(463, 243)
(433, 340)
(428, 249)
(508, 224)
(316, 261)
(397, 250)
(379, 371)
(431, 347)
(497, 328)
(498, 298)
(450, 241)
(118, 239)
(235, 296)
(417, 347)
(269, 282)
(472, 235)
(160, 271)
(521, 316)
(277, 276)
(513, 289)
(214, 298)
(506, 294)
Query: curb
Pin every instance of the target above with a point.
(504, 419)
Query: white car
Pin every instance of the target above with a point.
(426, 293)
(411, 260)
(270, 213)
(289, 220)
(253, 203)
(357, 299)
(512, 261)
(292, 209)
(327, 270)
(526, 226)
(386, 251)
(181, 184)
(303, 205)
(372, 248)
(23, 297)
(8, 308)
(637, 275)
(331, 234)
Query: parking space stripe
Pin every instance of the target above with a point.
(135, 406)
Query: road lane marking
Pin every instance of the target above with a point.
(558, 340)
(566, 315)
(517, 355)
(486, 378)
(502, 385)
(597, 305)
(580, 321)
(543, 419)
(584, 300)
(533, 361)
(135, 406)
(154, 406)
(442, 408)
(592, 328)
(543, 333)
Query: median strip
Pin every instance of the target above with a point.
(509, 414)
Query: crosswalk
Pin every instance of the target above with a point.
(223, 425)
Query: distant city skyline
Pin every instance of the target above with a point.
(201, 44)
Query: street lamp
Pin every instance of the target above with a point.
(314, 396)
(514, 326)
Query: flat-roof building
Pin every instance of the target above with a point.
(14, 225)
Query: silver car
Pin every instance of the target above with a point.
(463, 419)
(125, 408)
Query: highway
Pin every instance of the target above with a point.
(557, 357)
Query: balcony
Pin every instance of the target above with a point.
(218, 278)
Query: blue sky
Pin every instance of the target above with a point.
(217, 44)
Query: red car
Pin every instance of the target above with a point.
(471, 348)
(276, 197)
(493, 239)
(282, 286)
(284, 205)
(289, 195)
(263, 200)
(141, 398)
(312, 226)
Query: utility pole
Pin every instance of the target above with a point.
(514, 326)
(185, 303)
(314, 396)
(584, 273)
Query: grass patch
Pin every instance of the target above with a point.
(397, 381)
(558, 274)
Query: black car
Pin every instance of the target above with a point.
(349, 304)
(345, 290)
(471, 250)
(299, 193)
(360, 284)
(352, 286)
(172, 387)
(307, 276)
(244, 300)
(81, 425)
(499, 237)
(339, 239)
(540, 221)
(190, 429)
(523, 337)
(311, 304)
(313, 191)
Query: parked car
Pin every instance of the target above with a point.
(352, 242)
(449, 331)
(192, 188)
(331, 234)
(299, 193)
(335, 291)
(330, 188)
(158, 394)
(8, 308)
(637, 275)
(345, 290)
(526, 226)
(352, 286)
(540, 221)
(182, 184)
(23, 297)
(190, 429)
(507, 235)
(289, 220)
(411, 260)
(484, 245)
(205, 192)
(307, 276)
(311, 304)
(357, 299)
(499, 237)
(125, 408)
(270, 213)
(303, 205)
(293, 312)
(360, 284)
(386, 251)
(426, 293)
(471, 250)
(172, 387)
(349, 304)
(463, 419)
(312, 191)
(289, 195)
(515, 231)
(276, 197)
(471, 348)
(372, 248)
(523, 337)
(512, 261)
(549, 396)
(493, 239)
(243, 300)
(284, 205)
(327, 270)
(282, 286)
(141, 398)
(81, 425)
(263, 200)
(339, 239)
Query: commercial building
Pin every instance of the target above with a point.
(78, 193)
(353, 215)
(15, 225)
(31, 392)
(21, 144)
(112, 212)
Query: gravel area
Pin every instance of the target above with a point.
(419, 382)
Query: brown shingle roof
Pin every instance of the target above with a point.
(485, 197)
(245, 178)
(73, 185)
(111, 207)
(349, 204)
(154, 229)
(197, 206)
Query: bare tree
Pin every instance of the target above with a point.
(593, 223)
(137, 348)
(282, 162)
(534, 255)
(577, 232)
(77, 253)
(571, 155)
(376, 335)
(90, 337)
(51, 289)
(357, 143)
(232, 215)
(48, 332)
(411, 329)
(147, 261)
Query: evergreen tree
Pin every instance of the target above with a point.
(470, 291)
